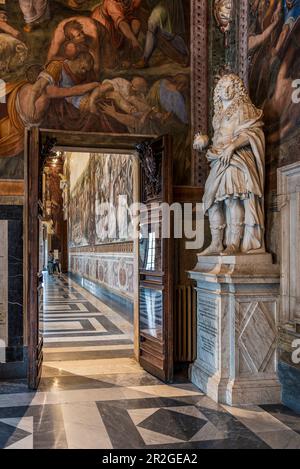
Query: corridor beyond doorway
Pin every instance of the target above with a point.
(77, 326)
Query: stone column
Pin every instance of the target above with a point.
(237, 324)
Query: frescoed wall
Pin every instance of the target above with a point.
(113, 271)
(80, 210)
(274, 45)
(102, 66)
(100, 233)
(113, 188)
(101, 189)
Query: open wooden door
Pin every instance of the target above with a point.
(156, 257)
(34, 290)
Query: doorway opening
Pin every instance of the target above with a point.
(87, 249)
(72, 265)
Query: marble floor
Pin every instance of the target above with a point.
(94, 395)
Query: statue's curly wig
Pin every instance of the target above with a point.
(241, 93)
(241, 96)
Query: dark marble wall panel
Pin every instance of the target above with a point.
(290, 379)
(14, 215)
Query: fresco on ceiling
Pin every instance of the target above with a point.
(118, 66)
(274, 46)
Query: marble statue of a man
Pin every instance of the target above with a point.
(234, 192)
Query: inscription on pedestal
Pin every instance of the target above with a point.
(208, 333)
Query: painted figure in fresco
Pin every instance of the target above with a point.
(291, 15)
(75, 4)
(65, 75)
(130, 105)
(36, 12)
(74, 35)
(167, 22)
(170, 98)
(136, 122)
(266, 18)
(275, 65)
(281, 113)
(120, 20)
(27, 103)
(265, 11)
(73, 110)
(257, 39)
(129, 96)
(167, 95)
(5, 27)
(13, 53)
(234, 191)
(161, 109)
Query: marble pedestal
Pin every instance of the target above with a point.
(237, 324)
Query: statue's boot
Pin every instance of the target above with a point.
(236, 235)
(216, 246)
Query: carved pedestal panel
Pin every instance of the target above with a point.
(237, 322)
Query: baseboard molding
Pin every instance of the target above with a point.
(15, 370)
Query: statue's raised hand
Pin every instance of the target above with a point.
(201, 142)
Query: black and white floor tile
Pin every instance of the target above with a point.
(93, 394)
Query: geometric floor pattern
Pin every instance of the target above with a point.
(94, 395)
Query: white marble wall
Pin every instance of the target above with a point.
(3, 288)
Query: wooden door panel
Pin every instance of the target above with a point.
(34, 292)
(156, 255)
